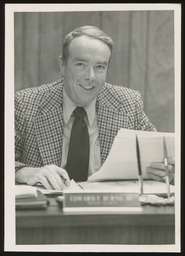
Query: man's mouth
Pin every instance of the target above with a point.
(87, 87)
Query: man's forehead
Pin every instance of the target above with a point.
(84, 41)
(85, 45)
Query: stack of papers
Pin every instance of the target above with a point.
(132, 186)
(27, 197)
(28, 192)
(121, 164)
(25, 191)
(73, 186)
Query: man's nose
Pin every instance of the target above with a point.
(90, 74)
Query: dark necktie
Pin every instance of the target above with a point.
(78, 154)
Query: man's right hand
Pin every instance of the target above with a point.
(50, 176)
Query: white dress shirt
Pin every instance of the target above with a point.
(91, 120)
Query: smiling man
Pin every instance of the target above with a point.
(65, 129)
(85, 69)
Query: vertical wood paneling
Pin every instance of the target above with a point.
(160, 87)
(116, 24)
(77, 19)
(138, 56)
(50, 46)
(142, 56)
(31, 49)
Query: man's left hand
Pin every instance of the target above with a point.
(156, 171)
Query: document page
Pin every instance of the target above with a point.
(73, 186)
(121, 164)
(132, 186)
(25, 191)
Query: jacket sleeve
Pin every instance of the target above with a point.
(142, 122)
(19, 131)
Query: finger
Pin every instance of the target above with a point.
(157, 165)
(53, 171)
(51, 177)
(156, 172)
(64, 175)
(48, 173)
(155, 177)
(161, 166)
(60, 181)
(44, 181)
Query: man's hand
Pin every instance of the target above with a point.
(156, 171)
(50, 176)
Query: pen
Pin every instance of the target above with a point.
(80, 186)
(139, 166)
(166, 167)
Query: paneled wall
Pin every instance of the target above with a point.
(143, 55)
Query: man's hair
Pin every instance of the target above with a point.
(90, 31)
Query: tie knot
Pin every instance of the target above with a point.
(79, 112)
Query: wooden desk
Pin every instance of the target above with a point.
(154, 225)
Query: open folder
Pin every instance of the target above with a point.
(121, 164)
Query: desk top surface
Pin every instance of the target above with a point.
(54, 216)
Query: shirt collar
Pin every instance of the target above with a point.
(69, 107)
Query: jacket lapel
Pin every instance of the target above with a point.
(49, 127)
(111, 118)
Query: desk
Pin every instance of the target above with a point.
(153, 225)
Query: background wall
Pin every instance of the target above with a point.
(143, 55)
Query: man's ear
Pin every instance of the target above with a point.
(62, 65)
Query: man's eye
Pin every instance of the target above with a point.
(101, 67)
(79, 64)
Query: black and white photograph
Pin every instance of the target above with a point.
(92, 129)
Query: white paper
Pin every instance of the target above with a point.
(25, 191)
(73, 186)
(132, 186)
(121, 164)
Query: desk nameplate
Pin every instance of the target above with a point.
(101, 201)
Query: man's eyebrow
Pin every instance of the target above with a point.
(79, 59)
(104, 62)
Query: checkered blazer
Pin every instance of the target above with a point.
(39, 121)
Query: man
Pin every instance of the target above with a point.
(44, 116)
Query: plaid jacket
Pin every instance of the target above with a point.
(39, 121)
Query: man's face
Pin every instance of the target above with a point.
(85, 69)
